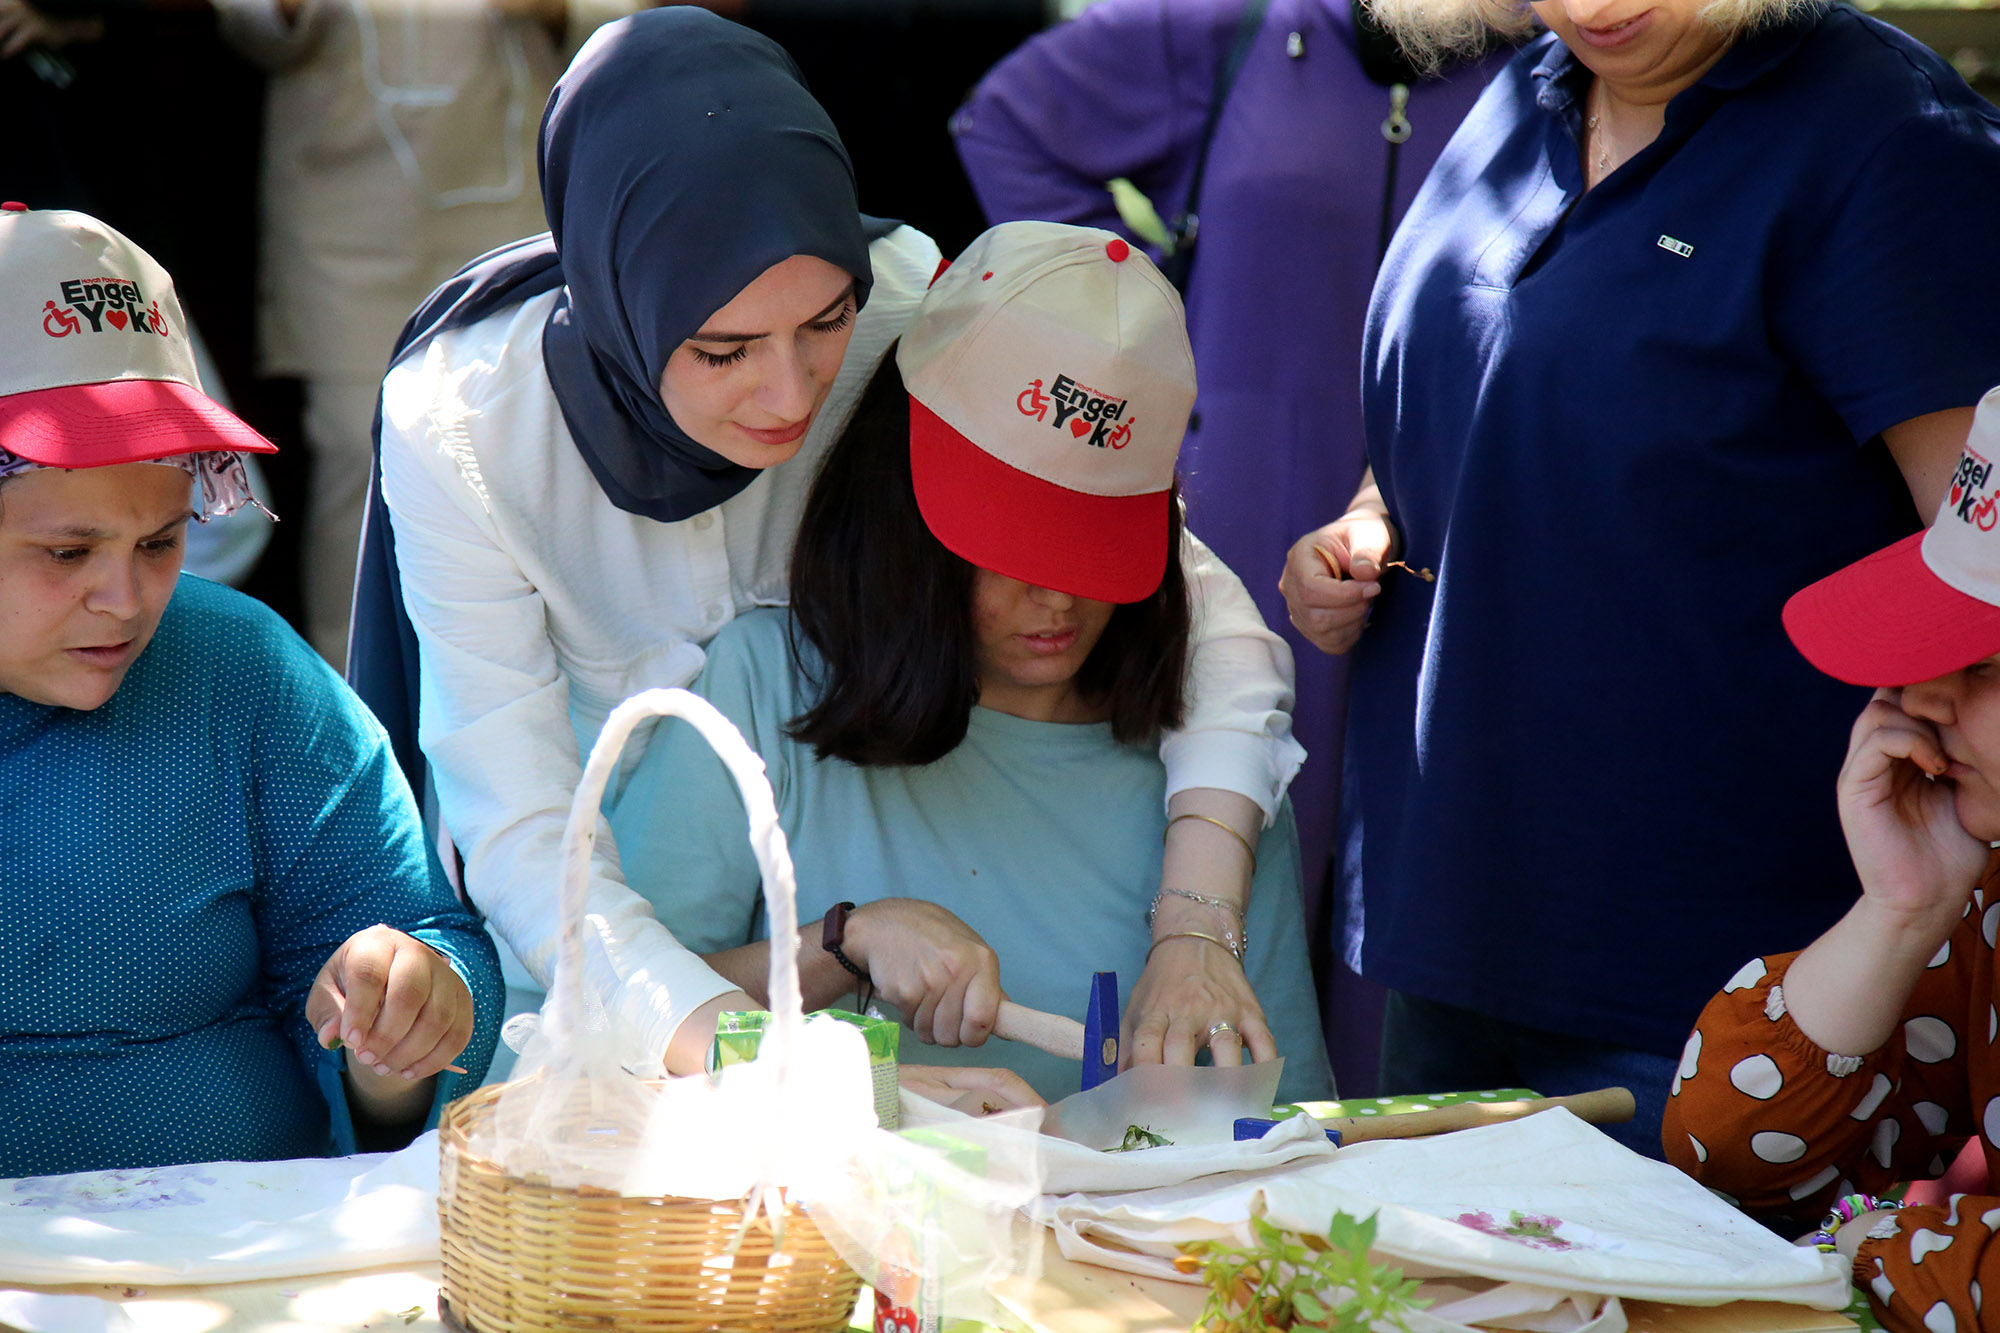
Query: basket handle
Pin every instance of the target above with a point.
(767, 842)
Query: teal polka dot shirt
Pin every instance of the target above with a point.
(176, 867)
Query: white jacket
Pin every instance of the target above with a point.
(539, 606)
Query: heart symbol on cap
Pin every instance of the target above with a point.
(1077, 428)
(117, 318)
(1956, 491)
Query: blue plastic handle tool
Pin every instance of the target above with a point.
(1250, 1127)
(1100, 1031)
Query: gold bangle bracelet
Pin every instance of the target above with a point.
(1249, 849)
(1221, 944)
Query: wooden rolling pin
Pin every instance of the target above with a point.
(1053, 1033)
(1606, 1106)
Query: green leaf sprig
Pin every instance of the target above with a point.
(1286, 1281)
(1142, 1136)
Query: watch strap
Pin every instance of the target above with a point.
(833, 933)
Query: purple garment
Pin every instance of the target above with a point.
(1290, 220)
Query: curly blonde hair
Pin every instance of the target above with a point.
(1432, 31)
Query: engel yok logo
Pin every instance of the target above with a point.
(107, 305)
(1968, 500)
(1079, 409)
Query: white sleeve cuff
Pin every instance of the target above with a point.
(1259, 767)
(652, 1008)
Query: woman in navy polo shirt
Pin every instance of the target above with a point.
(1690, 311)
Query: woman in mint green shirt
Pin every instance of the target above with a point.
(969, 756)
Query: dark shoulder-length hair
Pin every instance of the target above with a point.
(888, 610)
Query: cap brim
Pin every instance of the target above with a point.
(1108, 548)
(1888, 620)
(120, 421)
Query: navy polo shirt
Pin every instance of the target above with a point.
(1587, 775)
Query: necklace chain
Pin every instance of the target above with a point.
(1596, 135)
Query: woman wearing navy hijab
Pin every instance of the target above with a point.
(580, 455)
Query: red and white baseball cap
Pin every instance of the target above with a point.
(96, 366)
(1928, 605)
(1050, 382)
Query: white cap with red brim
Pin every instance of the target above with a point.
(1930, 604)
(96, 366)
(1050, 381)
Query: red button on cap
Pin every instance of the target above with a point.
(1117, 249)
(13, 206)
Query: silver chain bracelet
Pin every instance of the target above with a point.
(1239, 940)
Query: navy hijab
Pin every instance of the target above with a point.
(681, 156)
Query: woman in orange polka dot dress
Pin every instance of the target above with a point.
(1817, 1078)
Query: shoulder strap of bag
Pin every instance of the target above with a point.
(1186, 225)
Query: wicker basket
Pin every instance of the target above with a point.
(522, 1256)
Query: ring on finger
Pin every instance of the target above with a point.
(1218, 1029)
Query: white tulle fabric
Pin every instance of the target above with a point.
(799, 1118)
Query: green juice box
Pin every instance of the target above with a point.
(738, 1034)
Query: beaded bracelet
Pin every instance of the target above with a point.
(1845, 1210)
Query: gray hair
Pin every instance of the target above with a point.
(1433, 31)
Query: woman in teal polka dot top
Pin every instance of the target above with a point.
(212, 872)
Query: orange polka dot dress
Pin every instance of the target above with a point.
(1780, 1126)
(176, 867)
